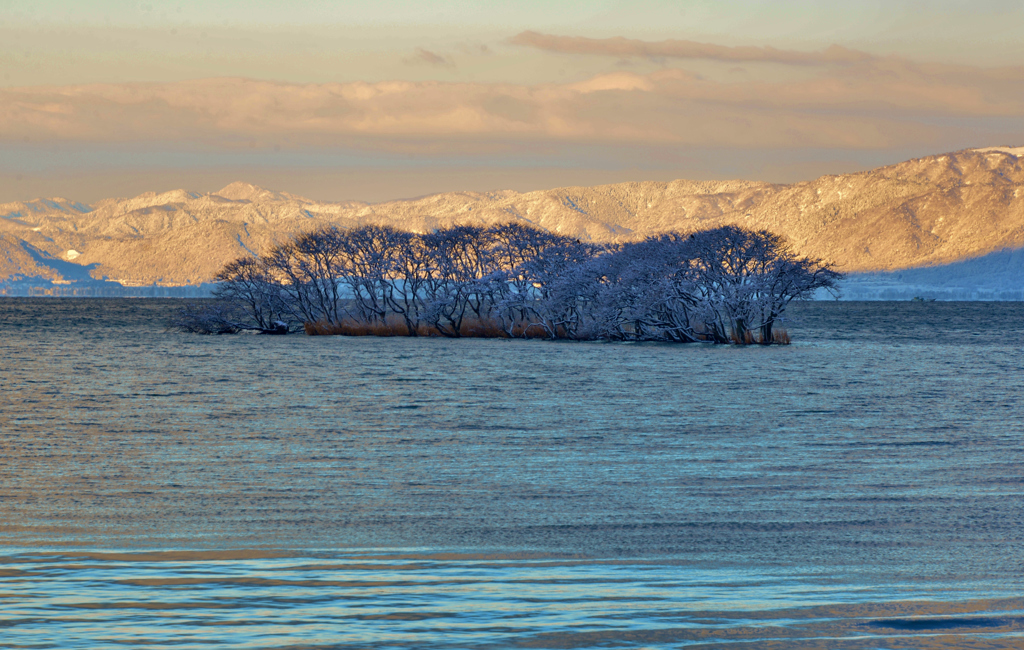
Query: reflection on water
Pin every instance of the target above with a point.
(861, 488)
(366, 599)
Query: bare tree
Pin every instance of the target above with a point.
(411, 274)
(310, 270)
(560, 289)
(215, 317)
(370, 255)
(246, 298)
(720, 285)
(249, 282)
(460, 259)
(647, 292)
(748, 278)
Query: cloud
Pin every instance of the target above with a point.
(872, 104)
(430, 58)
(680, 49)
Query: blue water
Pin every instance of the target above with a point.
(861, 488)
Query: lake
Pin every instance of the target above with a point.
(860, 488)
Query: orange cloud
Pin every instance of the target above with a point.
(874, 103)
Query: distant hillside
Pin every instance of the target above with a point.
(923, 212)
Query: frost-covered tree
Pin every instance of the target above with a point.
(559, 293)
(247, 281)
(311, 269)
(465, 277)
(647, 292)
(368, 269)
(720, 285)
(247, 297)
(748, 277)
(412, 271)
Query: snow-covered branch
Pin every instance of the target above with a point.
(720, 285)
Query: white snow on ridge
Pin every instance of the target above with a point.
(1013, 151)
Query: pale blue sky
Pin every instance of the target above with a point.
(61, 42)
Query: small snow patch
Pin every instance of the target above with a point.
(1013, 151)
(72, 254)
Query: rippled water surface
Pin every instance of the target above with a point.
(861, 488)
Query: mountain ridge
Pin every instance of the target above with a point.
(921, 212)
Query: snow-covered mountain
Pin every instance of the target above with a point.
(928, 211)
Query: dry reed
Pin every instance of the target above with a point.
(348, 327)
(470, 328)
(747, 339)
(487, 329)
(780, 337)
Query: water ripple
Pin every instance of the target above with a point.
(861, 488)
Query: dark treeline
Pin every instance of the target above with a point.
(724, 285)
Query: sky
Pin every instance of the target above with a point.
(389, 99)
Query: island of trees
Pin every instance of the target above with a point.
(725, 285)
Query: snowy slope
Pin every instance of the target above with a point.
(924, 212)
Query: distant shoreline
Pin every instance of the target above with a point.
(864, 293)
(104, 290)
